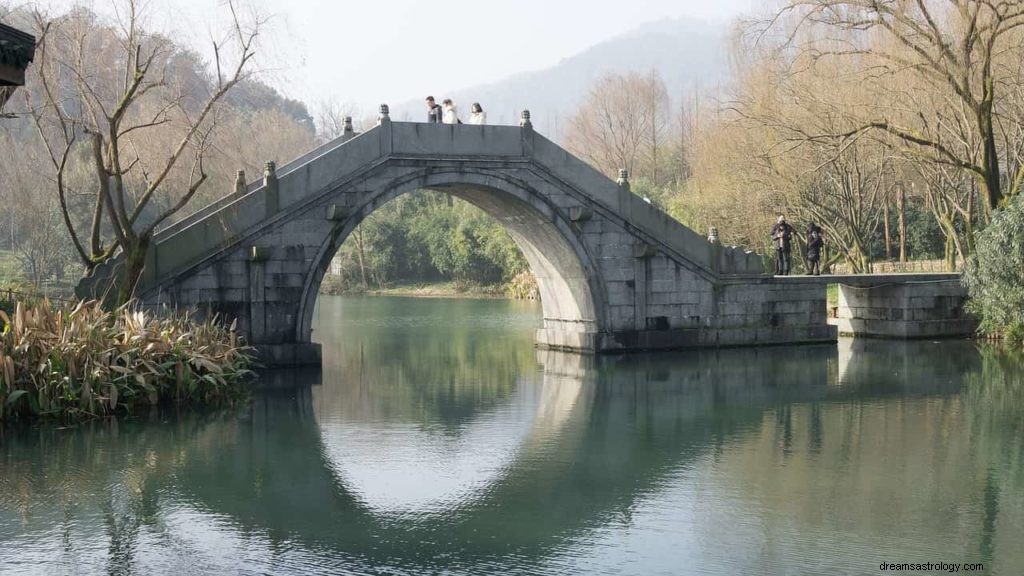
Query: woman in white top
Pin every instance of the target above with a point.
(450, 114)
(477, 115)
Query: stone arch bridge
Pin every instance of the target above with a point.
(614, 272)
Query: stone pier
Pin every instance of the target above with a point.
(896, 306)
(918, 308)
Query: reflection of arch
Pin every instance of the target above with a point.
(429, 466)
(572, 294)
(591, 471)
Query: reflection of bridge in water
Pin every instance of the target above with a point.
(596, 437)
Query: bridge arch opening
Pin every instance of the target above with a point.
(570, 292)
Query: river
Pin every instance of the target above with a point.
(437, 440)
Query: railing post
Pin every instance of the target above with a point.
(270, 183)
(240, 185)
(384, 122)
(526, 132)
(347, 131)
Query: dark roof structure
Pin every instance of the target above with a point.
(17, 49)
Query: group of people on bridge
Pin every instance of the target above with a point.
(447, 113)
(782, 233)
(782, 239)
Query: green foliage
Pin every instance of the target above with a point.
(82, 361)
(924, 237)
(995, 273)
(426, 237)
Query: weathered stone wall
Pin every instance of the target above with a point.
(924, 309)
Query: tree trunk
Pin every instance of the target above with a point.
(990, 159)
(359, 254)
(902, 207)
(888, 231)
(134, 266)
(950, 254)
(969, 225)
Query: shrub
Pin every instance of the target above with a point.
(82, 361)
(994, 275)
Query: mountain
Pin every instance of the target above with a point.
(688, 54)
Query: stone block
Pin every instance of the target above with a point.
(620, 293)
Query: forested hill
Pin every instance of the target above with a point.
(687, 53)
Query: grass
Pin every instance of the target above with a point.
(79, 361)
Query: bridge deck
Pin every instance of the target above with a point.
(871, 279)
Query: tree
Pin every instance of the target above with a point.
(31, 221)
(624, 123)
(330, 119)
(953, 48)
(146, 112)
(995, 273)
(949, 195)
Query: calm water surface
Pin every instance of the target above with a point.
(437, 440)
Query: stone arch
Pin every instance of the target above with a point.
(572, 293)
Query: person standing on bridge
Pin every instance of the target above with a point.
(477, 115)
(451, 115)
(434, 112)
(782, 236)
(815, 242)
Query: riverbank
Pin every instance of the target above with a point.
(434, 290)
(77, 360)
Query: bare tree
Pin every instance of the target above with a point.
(622, 124)
(953, 46)
(112, 91)
(949, 195)
(330, 119)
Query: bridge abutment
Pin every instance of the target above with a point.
(917, 309)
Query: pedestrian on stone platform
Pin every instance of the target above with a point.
(815, 243)
(782, 237)
(451, 114)
(477, 115)
(434, 111)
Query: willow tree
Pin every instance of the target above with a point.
(953, 47)
(143, 111)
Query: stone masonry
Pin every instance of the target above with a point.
(614, 272)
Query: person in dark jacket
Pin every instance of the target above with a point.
(434, 111)
(782, 237)
(815, 243)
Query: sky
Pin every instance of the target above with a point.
(366, 52)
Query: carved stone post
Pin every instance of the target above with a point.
(623, 180)
(270, 183)
(524, 120)
(240, 182)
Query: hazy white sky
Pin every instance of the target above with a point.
(366, 52)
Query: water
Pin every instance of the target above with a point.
(436, 440)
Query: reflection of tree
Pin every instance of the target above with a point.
(113, 470)
(994, 407)
(995, 397)
(409, 373)
(799, 456)
(942, 451)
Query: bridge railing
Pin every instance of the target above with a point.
(227, 199)
(216, 224)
